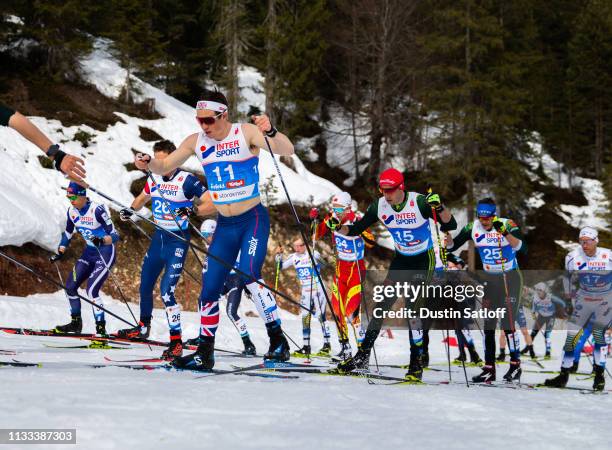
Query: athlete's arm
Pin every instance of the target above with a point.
(369, 218)
(141, 200)
(173, 161)
(193, 188)
(107, 225)
(454, 243)
(69, 165)
(515, 237)
(66, 235)
(254, 134)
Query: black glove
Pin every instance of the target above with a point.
(185, 211)
(434, 201)
(97, 241)
(56, 257)
(332, 223)
(499, 226)
(126, 214)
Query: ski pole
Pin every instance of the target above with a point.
(299, 224)
(61, 285)
(197, 247)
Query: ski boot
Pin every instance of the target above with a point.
(361, 360)
(600, 381)
(249, 347)
(203, 359)
(75, 326)
(279, 347)
(345, 352)
(574, 367)
(462, 357)
(193, 341)
(532, 354)
(502, 355)
(141, 331)
(560, 381)
(514, 372)
(101, 328)
(174, 350)
(304, 352)
(474, 357)
(325, 350)
(424, 360)
(486, 376)
(525, 350)
(415, 369)
(547, 355)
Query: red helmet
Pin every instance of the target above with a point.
(391, 178)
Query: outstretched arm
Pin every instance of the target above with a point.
(279, 143)
(172, 161)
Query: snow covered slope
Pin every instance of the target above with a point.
(32, 203)
(118, 408)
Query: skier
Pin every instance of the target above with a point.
(406, 215)
(232, 289)
(71, 166)
(312, 296)
(521, 321)
(229, 154)
(172, 198)
(590, 267)
(93, 223)
(464, 335)
(544, 307)
(349, 268)
(498, 240)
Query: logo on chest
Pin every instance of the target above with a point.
(228, 148)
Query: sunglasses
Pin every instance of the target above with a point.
(338, 210)
(208, 120)
(72, 198)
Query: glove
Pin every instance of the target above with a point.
(125, 214)
(313, 214)
(56, 257)
(434, 201)
(184, 211)
(332, 223)
(97, 241)
(569, 309)
(499, 226)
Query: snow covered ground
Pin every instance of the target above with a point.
(119, 408)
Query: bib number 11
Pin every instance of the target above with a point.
(228, 169)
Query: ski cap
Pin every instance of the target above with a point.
(485, 209)
(208, 227)
(76, 189)
(342, 198)
(391, 178)
(589, 233)
(541, 286)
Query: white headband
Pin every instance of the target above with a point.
(590, 233)
(212, 106)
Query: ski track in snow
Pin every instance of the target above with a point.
(120, 408)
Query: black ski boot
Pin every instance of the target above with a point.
(279, 347)
(193, 341)
(75, 326)
(141, 331)
(532, 354)
(325, 350)
(502, 355)
(547, 354)
(525, 350)
(574, 367)
(101, 328)
(361, 360)
(600, 381)
(424, 360)
(345, 352)
(304, 352)
(560, 381)
(486, 376)
(462, 357)
(415, 369)
(514, 372)
(249, 347)
(203, 359)
(174, 350)
(474, 357)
